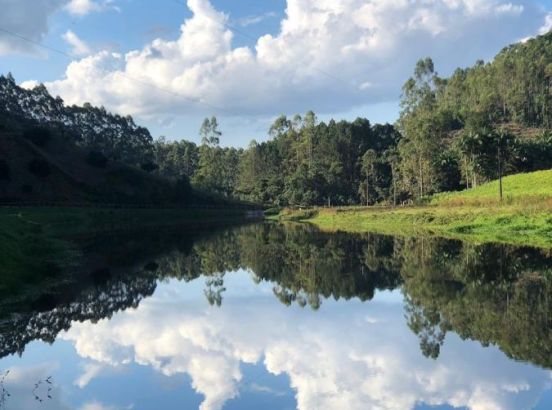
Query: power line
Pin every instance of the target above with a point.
(137, 80)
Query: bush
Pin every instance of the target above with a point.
(26, 188)
(39, 168)
(97, 159)
(4, 170)
(40, 136)
(272, 211)
(149, 167)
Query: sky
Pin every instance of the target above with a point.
(171, 63)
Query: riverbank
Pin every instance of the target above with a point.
(39, 241)
(524, 217)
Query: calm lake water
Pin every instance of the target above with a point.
(280, 317)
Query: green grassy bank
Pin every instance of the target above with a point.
(524, 217)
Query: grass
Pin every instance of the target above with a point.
(524, 218)
(521, 189)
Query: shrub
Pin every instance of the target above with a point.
(272, 211)
(39, 168)
(4, 170)
(149, 166)
(26, 188)
(40, 136)
(97, 159)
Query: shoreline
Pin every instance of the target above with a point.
(501, 224)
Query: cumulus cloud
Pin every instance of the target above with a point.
(78, 46)
(547, 26)
(323, 58)
(378, 365)
(27, 19)
(84, 7)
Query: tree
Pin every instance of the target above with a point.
(369, 161)
(209, 132)
(210, 174)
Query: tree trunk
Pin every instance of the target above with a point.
(367, 187)
(500, 173)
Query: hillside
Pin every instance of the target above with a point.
(40, 164)
(532, 187)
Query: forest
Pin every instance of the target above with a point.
(482, 122)
(457, 132)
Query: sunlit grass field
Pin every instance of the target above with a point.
(523, 218)
(529, 188)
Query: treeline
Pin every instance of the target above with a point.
(483, 122)
(478, 124)
(115, 137)
(305, 162)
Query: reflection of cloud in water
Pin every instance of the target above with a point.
(91, 371)
(350, 355)
(97, 406)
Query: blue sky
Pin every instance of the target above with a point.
(341, 58)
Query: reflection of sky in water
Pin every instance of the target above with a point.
(176, 352)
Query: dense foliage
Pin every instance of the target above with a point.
(305, 162)
(480, 123)
(483, 122)
(92, 128)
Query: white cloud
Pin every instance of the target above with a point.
(547, 26)
(84, 7)
(28, 19)
(29, 85)
(79, 47)
(323, 57)
(378, 365)
(91, 371)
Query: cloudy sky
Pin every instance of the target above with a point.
(170, 63)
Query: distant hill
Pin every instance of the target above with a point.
(52, 153)
(42, 164)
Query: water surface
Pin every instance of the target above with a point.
(280, 317)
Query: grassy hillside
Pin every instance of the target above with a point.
(533, 187)
(524, 218)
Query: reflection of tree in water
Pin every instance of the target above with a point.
(305, 265)
(93, 304)
(495, 294)
(4, 394)
(214, 288)
(430, 327)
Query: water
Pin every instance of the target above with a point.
(280, 317)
